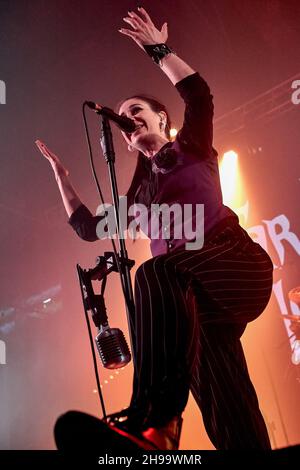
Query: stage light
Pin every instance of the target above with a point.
(230, 179)
(173, 132)
(296, 353)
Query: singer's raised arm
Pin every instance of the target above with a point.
(145, 34)
(79, 216)
(197, 129)
(68, 194)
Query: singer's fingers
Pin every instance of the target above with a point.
(132, 22)
(135, 35)
(41, 146)
(45, 151)
(137, 18)
(38, 143)
(128, 32)
(145, 15)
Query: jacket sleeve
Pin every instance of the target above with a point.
(84, 223)
(196, 133)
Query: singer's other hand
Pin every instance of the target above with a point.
(143, 30)
(56, 164)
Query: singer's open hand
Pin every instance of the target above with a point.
(143, 30)
(56, 164)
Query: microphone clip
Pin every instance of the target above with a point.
(107, 263)
(111, 343)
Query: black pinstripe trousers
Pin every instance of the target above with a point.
(191, 309)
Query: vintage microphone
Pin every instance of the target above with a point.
(111, 343)
(112, 347)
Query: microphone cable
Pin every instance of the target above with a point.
(101, 196)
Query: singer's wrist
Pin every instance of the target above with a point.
(158, 51)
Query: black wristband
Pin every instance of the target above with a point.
(157, 51)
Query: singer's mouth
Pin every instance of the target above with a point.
(137, 128)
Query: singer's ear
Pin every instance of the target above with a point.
(130, 148)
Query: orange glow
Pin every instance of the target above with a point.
(231, 180)
(228, 176)
(173, 132)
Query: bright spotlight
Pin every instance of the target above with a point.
(296, 353)
(173, 132)
(229, 175)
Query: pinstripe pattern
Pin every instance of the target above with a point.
(191, 309)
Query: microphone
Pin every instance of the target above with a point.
(123, 122)
(112, 347)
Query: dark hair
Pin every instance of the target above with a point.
(143, 165)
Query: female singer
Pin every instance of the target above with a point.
(193, 301)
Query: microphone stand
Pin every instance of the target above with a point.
(124, 263)
(111, 343)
